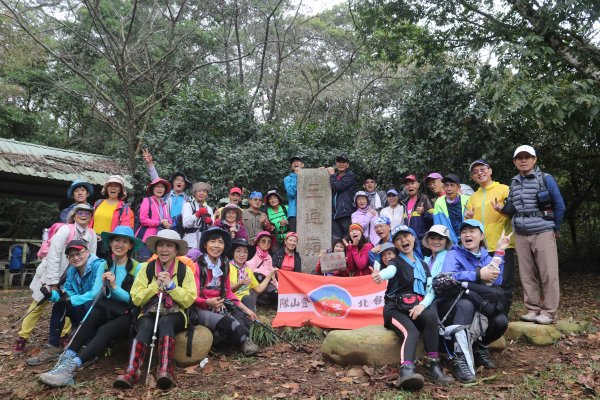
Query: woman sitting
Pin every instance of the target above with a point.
(357, 250)
(338, 247)
(473, 265)
(262, 267)
(287, 258)
(169, 282)
(111, 317)
(217, 307)
(404, 312)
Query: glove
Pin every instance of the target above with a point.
(45, 292)
(207, 220)
(64, 297)
(54, 296)
(201, 212)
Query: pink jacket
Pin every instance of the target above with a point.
(262, 266)
(358, 261)
(150, 216)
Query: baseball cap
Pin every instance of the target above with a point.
(409, 178)
(75, 244)
(524, 149)
(451, 178)
(255, 195)
(480, 161)
(434, 175)
(471, 222)
(235, 189)
(342, 158)
(392, 192)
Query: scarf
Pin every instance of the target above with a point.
(377, 203)
(436, 262)
(420, 278)
(159, 268)
(262, 254)
(216, 271)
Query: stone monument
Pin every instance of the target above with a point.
(314, 215)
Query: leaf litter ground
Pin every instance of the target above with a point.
(568, 369)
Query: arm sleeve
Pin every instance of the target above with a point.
(119, 293)
(430, 294)
(185, 292)
(557, 201)
(91, 294)
(55, 255)
(388, 272)
(228, 292)
(145, 220)
(347, 181)
(451, 264)
(141, 291)
(68, 286)
(242, 232)
(187, 216)
(152, 172)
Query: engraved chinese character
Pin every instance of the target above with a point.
(314, 216)
(312, 188)
(313, 246)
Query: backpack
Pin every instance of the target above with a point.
(179, 222)
(45, 247)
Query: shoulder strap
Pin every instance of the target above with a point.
(193, 205)
(150, 270)
(122, 210)
(541, 178)
(181, 271)
(98, 202)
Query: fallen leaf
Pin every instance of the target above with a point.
(347, 379)
(192, 370)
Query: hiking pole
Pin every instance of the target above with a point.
(39, 303)
(154, 337)
(96, 299)
(269, 329)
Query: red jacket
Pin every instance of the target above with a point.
(124, 217)
(358, 261)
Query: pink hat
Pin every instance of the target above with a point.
(410, 178)
(434, 175)
(235, 189)
(156, 182)
(294, 234)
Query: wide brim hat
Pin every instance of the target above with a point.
(115, 179)
(170, 236)
(261, 234)
(226, 236)
(239, 242)
(156, 182)
(77, 183)
(441, 230)
(273, 193)
(231, 206)
(201, 186)
(188, 183)
(121, 230)
(78, 207)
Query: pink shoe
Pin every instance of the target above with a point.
(19, 345)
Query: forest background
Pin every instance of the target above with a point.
(228, 90)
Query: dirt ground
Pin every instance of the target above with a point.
(569, 369)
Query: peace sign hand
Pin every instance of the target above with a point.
(504, 241)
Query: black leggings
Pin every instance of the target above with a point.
(99, 330)
(463, 314)
(398, 321)
(168, 325)
(224, 327)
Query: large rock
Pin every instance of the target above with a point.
(372, 345)
(566, 326)
(201, 344)
(498, 345)
(537, 334)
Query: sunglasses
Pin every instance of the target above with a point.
(83, 213)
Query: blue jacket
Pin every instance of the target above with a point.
(82, 289)
(442, 217)
(466, 266)
(291, 188)
(342, 193)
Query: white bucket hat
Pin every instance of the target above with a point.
(441, 230)
(168, 235)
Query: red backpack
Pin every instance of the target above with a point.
(43, 251)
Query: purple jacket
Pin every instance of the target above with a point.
(364, 218)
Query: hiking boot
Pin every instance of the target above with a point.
(435, 373)
(249, 347)
(48, 354)
(19, 345)
(482, 356)
(530, 316)
(132, 373)
(409, 379)
(166, 348)
(543, 319)
(460, 369)
(62, 375)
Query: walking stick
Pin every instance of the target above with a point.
(160, 296)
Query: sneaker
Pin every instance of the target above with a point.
(50, 353)
(530, 316)
(543, 319)
(19, 345)
(62, 375)
(461, 370)
(249, 347)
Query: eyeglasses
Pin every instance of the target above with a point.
(478, 171)
(76, 255)
(83, 213)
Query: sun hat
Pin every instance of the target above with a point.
(441, 230)
(188, 183)
(79, 183)
(124, 231)
(115, 179)
(155, 182)
(273, 193)
(241, 242)
(168, 235)
(231, 206)
(201, 186)
(221, 232)
(78, 207)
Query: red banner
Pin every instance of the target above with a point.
(328, 301)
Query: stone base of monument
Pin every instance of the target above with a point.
(371, 345)
(539, 335)
(201, 344)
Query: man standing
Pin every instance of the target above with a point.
(343, 183)
(418, 208)
(539, 210)
(79, 191)
(254, 219)
(450, 208)
(291, 188)
(376, 198)
(434, 182)
(485, 205)
(235, 197)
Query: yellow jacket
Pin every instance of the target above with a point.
(183, 294)
(493, 221)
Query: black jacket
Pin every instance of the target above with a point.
(342, 194)
(280, 254)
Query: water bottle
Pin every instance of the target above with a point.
(45, 235)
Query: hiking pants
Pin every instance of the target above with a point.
(99, 330)
(31, 320)
(508, 276)
(60, 312)
(339, 228)
(397, 320)
(223, 326)
(168, 325)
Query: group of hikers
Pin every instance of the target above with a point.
(447, 255)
